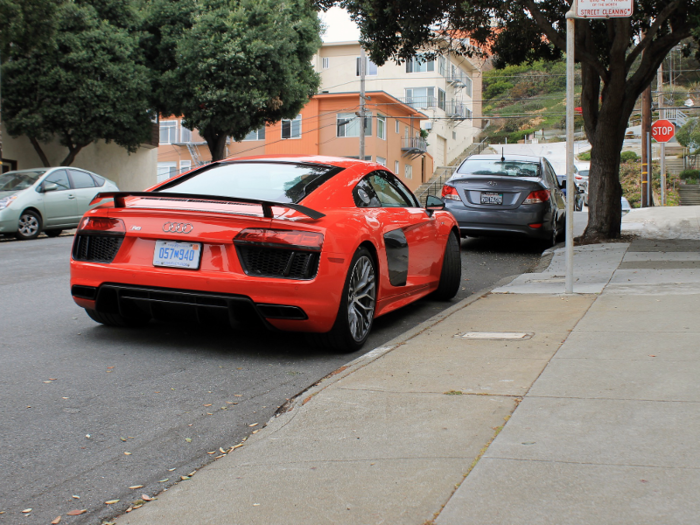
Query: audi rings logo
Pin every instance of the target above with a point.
(178, 227)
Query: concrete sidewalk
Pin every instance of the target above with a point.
(522, 406)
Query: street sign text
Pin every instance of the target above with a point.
(604, 8)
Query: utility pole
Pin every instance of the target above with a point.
(570, 188)
(662, 115)
(646, 140)
(363, 63)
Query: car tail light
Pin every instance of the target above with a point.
(537, 197)
(450, 192)
(102, 224)
(293, 239)
(578, 177)
(536, 225)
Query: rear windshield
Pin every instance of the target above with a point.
(268, 181)
(19, 180)
(506, 168)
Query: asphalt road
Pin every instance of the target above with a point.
(89, 411)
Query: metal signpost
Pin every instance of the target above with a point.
(662, 131)
(580, 9)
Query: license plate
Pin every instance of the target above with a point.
(177, 254)
(491, 198)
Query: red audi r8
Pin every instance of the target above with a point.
(309, 244)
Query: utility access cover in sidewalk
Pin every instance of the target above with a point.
(498, 335)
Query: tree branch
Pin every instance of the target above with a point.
(582, 55)
(651, 32)
(40, 152)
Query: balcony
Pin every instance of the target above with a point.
(458, 110)
(413, 146)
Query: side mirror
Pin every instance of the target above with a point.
(433, 203)
(49, 186)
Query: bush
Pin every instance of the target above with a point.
(586, 155)
(689, 175)
(628, 156)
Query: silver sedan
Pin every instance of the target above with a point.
(46, 199)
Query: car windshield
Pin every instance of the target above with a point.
(506, 168)
(583, 173)
(268, 181)
(19, 180)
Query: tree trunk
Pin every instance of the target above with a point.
(40, 152)
(72, 153)
(216, 143)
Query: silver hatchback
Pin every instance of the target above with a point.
(47, 199)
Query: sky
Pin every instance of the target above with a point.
(339, 27)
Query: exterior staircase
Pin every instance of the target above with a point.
(674, 165)
(689, 194)
(442, 173)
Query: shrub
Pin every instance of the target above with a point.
(628, 156)
(586, 155)
(689, 175)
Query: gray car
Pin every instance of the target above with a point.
(46, 199)
(506, 195)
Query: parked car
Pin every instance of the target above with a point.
(47, 199)
(560, 170)
(581, 177)
(625, 204)
(506, 195)
(308, 244)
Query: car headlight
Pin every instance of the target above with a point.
(5, 202)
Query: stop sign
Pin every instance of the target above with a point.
(662, 130)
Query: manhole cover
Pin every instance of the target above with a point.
(497, 335)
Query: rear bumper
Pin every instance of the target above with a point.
(474, 222)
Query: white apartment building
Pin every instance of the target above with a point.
(447, 89)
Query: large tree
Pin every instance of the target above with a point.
(619, 58)
(232, 66)
(83, 84)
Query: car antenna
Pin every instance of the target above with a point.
(503, 158)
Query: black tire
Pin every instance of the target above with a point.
(114, 319)
(53, 233)
(451, 274)
(344, 336)
(29, 226)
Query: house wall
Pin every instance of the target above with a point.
(340, 76)
(131, 172)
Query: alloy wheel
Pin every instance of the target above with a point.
(362, 294)
(28, 225)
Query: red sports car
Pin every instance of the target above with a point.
(308, 244)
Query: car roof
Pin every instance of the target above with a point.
(527, 158)
(340, 162)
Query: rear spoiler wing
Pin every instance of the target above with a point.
(119, 197)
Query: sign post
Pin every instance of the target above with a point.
(580, 9)
(662, 131)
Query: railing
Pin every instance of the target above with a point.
(458, 110)
(422, 102)
(459, 80)
(675, 115)
(414, 144)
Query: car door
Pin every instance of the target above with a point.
(84, 188)
(60, 205)
(557, 194)
(407, 223)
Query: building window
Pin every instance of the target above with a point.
(441, 99)
(185, 134)
(396, 166)
(381, 160)
(348, 125)
(381, 127)
(420, 98)
(185, 165)
(291, 129)
(442, 66)
(370, 67)
(168, 131)
(418, 64)
(166, 170)
(256, 134)
(325, 61)
(396, 125)
(408, 171)
(454, 135)
(468, 85)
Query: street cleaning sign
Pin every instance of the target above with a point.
(604, 8)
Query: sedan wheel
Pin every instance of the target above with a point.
(29, 225)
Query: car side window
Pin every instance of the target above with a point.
(402, 189)
(551, 176)
(364, 195)
(389, 193)
(81, 179)
(60, 178)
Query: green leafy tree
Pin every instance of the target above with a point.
(617, 63)
(689, 135)
(235, 66)
(85, 83)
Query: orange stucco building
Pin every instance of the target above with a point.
(327, 125)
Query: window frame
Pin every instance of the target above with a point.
(371, 69)
(290, 124)
(381, 129)
(257, 135)
(325, 62)
(344, 126)
(170, 126)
